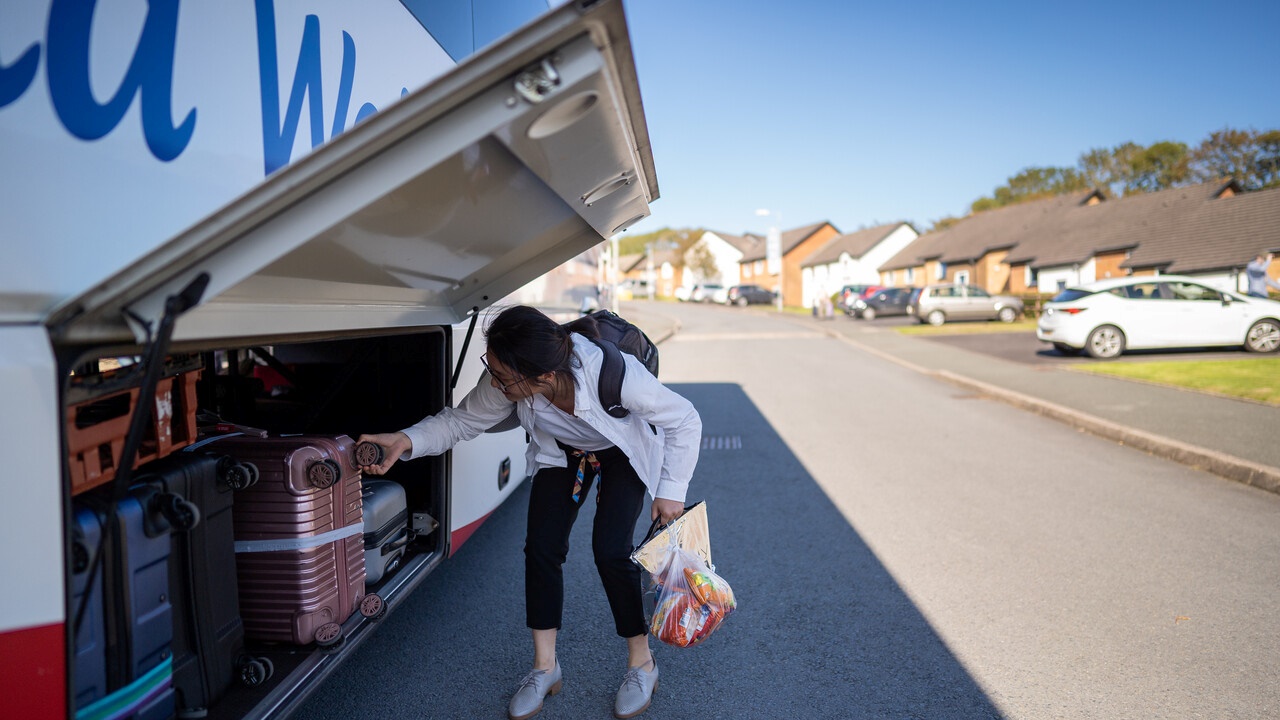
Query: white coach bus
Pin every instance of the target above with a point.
(233, 190)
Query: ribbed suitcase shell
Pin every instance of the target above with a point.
(208, 634)
(286, 595)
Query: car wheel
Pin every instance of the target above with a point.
(869, 313)
(741, 302)
(1263, 337)
(936, 318)
(1105, 342)
(1066, 349)
(1007, 315)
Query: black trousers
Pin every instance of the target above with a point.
(552, 512)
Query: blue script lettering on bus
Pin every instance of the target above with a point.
(150, 77)
(277, 139)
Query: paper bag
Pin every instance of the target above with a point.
(689, 531)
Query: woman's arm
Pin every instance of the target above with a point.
(647, 398)
(480, 410)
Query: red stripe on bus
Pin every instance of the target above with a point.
(33, 675)
(461, 535)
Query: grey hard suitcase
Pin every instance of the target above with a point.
(386, 528)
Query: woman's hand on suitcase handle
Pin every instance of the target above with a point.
(393, 446)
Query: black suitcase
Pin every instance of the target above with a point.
(208, 639)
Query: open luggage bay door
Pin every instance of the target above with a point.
(443, 202)
(516, 160)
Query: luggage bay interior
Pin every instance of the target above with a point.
(348, 386)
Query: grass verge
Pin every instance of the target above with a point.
(1256, 379)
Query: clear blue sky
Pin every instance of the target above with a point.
(870, 112)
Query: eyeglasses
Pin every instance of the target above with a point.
(503, 386)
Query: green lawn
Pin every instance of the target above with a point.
(1250, 378)
(977, 327)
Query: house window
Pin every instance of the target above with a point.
(911, 275)
(962, 277)
(1033, 277)
(759, 267)
(942, 271)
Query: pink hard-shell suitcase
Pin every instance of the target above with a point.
(299, 538)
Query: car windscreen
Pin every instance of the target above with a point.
(1071, 294)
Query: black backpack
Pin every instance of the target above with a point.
(616, 337)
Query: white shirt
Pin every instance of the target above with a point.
(664, 459)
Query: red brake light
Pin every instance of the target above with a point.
(1072, 311)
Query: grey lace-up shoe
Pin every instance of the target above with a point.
(636, 692)
(535, 686)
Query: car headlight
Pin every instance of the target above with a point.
(859, 304)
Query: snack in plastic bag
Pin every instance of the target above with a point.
(691, 600)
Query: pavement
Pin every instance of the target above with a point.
(1235, 439)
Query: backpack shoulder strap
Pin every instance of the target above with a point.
(612, 371)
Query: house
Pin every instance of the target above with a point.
(976, 249)
(797, 245)
(1209, 231)
(853, 258)
(726, 252)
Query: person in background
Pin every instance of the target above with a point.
(1256, 272)
(550, 374)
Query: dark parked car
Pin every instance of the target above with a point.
(885, 301)
(743, 295)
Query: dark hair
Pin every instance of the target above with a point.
(530, 343)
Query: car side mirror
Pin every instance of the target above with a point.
(1226, 299)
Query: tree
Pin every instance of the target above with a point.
(682, 237)
(1227, 153)
(1160, 166)
(1032, 183)
(944, 223)
(703, 263)
(1268, 162)
(1109, 170)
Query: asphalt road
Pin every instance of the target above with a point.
(900, 549)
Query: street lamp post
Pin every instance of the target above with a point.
(773, 251)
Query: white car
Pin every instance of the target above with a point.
(1108, 317)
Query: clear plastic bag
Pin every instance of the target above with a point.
(689, 599)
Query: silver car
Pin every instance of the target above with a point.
(937, 304)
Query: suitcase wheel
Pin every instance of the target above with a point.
(367, 453)
(181, 513)
(255, 671)
(237, 476)
(372, 606)
(323, 473)
(329, 636)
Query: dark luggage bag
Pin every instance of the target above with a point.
(208, 642)
(128, 612)
(298, 537)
